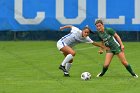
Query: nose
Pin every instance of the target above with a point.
(98, 27)
(87, 34)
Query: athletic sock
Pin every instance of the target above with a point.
(104, 70)
(68, 66)
(67, 59)
(129, 69)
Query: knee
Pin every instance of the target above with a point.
(73, 53)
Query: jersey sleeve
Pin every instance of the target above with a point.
(111, 31)
(89, 40)
(74, 29)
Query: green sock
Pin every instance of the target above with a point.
(128, 67)
(104, 70)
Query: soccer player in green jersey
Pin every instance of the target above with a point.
(111, 39)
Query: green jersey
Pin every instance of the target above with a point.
(108, 38)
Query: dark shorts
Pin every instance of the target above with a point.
(114, 51)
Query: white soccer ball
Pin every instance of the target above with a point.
(85, 76)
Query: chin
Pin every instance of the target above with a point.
(84, 36)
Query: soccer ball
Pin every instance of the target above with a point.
(85, 76)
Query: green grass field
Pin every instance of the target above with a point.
(32, 67)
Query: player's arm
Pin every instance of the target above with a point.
(64, 27)
(100, 45)
(119, 40)
(101, 49)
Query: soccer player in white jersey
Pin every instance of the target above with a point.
(66, 43)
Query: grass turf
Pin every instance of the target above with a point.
(32, 67)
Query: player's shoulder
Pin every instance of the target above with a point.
(75, 29)
(110, 31)
(108, 28)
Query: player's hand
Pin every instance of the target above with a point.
(100, 51)
(61, 28)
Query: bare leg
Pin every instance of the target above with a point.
(108, 59)
(123, 60)
(69, 53)
(107, 62)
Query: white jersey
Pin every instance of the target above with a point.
(75, 37)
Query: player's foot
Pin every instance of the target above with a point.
(99, 75)
(135, 76)
(66, 74)
(62, 68)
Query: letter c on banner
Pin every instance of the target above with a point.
(19, 15)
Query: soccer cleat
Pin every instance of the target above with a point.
(99, 75)
(135, 76)
(66, 74)
(62, 68)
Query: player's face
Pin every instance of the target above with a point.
(100, 27)
(85, 33)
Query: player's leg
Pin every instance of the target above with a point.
(107, 62)
(123, 60)
(66, 50)
(68, 65)
(69, 54)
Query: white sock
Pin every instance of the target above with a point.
(68, 66)
(67, 59)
